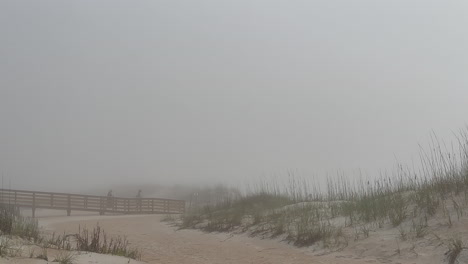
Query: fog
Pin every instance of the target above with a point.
(95, 93)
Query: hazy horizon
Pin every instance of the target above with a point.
(100, 92)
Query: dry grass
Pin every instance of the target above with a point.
(13, 224)
(97, 240)
(455, 248)
(305, 216)
(65, 257)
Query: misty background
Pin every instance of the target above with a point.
(98, 93)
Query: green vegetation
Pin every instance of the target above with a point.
(406, 200)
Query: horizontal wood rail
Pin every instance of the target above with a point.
(79, 202)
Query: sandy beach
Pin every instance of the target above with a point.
(162, 243)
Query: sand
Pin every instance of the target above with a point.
(80, 258)
(162, 243)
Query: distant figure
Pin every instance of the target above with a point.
(110, 199)
(139, 200)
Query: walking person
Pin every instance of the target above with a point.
(110, 199)
(139, 196)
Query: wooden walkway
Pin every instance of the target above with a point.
(100, 204)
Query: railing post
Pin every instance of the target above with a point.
(51, 200)
(152, 206)
(34, 205)
(86, 202)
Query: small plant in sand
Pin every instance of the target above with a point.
(168, 218)
(43, 254)
(455, 247)
(65, 257)
(59, 241)
(5, 246)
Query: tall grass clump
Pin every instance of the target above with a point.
(8, 215)
(12, 223)
(26, 227)
(97, 240)
(443, 174)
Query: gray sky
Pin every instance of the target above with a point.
(187, 91)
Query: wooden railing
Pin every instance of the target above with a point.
(101, 204)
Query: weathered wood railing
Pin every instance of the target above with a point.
(101, 204)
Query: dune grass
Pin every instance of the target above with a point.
(98, 241)
(13, 224)
(93, 240)
(305, 216)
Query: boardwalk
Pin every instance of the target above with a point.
(101, 204)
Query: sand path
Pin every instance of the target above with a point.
(162, 243)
